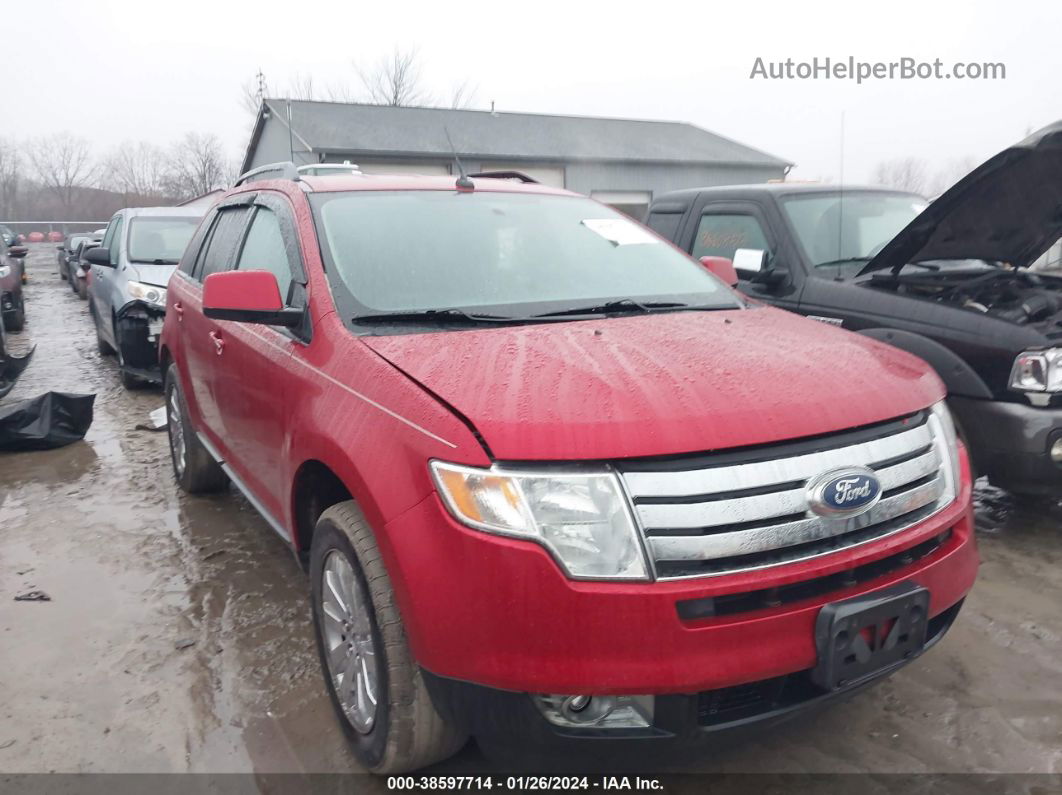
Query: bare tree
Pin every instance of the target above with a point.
(907, 173)
(63, 164)
(395, 79)
(10, 177)
(138, 169)
(463, 95)
(951, 173)
(197, 165)
(300, 87)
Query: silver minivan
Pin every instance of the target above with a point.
(127, 284)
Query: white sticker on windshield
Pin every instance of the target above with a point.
(620, 231)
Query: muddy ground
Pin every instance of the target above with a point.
(178, 633)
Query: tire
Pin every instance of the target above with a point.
(71, 277)
(200, 474)
(62, 270)
(407, 733)
(15, 320)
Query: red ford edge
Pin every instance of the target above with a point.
(553, 481)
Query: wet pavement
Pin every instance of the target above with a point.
(178, 635)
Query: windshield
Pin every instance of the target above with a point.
(160, 239)
(843, 231)
(516, 254)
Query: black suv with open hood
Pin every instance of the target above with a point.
(947, 281)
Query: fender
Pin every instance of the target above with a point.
(959, 378)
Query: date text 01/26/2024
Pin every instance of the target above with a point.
(523, 783)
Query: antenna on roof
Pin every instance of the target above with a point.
(463, 182)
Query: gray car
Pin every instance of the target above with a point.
(127, 284)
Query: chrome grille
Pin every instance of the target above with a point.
(732, 512)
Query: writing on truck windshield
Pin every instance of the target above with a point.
(515, 253)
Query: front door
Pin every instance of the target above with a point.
(104, 278)
(721, 229)
(250, 380)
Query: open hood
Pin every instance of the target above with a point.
(1008, 209)
(660, 384)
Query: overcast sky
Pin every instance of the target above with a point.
(115, 71)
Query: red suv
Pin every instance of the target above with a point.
(552, 480)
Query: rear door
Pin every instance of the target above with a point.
(202, 355)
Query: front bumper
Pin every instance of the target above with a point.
(1010, 443)
(680, 721)
(140, 347)
(499, 612)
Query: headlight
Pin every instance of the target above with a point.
(1037, 371)
(148, 293)
(946, 442)
(5, 271)
(582, 518)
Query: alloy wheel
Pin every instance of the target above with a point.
(348, 641)
(175, 424)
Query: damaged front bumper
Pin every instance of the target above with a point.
(138, 326)
(1013, 443)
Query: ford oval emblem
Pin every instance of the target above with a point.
(844, 492)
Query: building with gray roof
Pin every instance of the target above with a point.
(622, 162)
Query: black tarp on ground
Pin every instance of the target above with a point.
(51, 420)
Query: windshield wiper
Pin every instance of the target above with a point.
(620, 305)
(834, 262)
(431, 316)
(155, 261)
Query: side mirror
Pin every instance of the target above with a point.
(99, 256)
(247, 297)
(721, 267)
(753, 260)
(18, 252)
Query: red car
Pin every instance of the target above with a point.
(552, 480)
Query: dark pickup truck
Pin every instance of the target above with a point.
(947, 281)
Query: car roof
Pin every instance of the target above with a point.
(775, 189)
(334, 183)
(166, 212)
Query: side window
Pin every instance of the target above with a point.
(196, 244)
(219, 253)
(116, 240)
(665, 224)
(108, 235)
(721, 235)
(264, 250)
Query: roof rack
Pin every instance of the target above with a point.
(285, 170)
(505, 175)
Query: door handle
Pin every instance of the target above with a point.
(179, 309)
(219, 343)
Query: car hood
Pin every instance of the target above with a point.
(1008, 209)
(660, 384)
(158, 275)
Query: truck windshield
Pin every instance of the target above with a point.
(160, 240)
(507, 254)
(844, 231)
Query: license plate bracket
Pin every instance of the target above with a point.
(861, 637)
